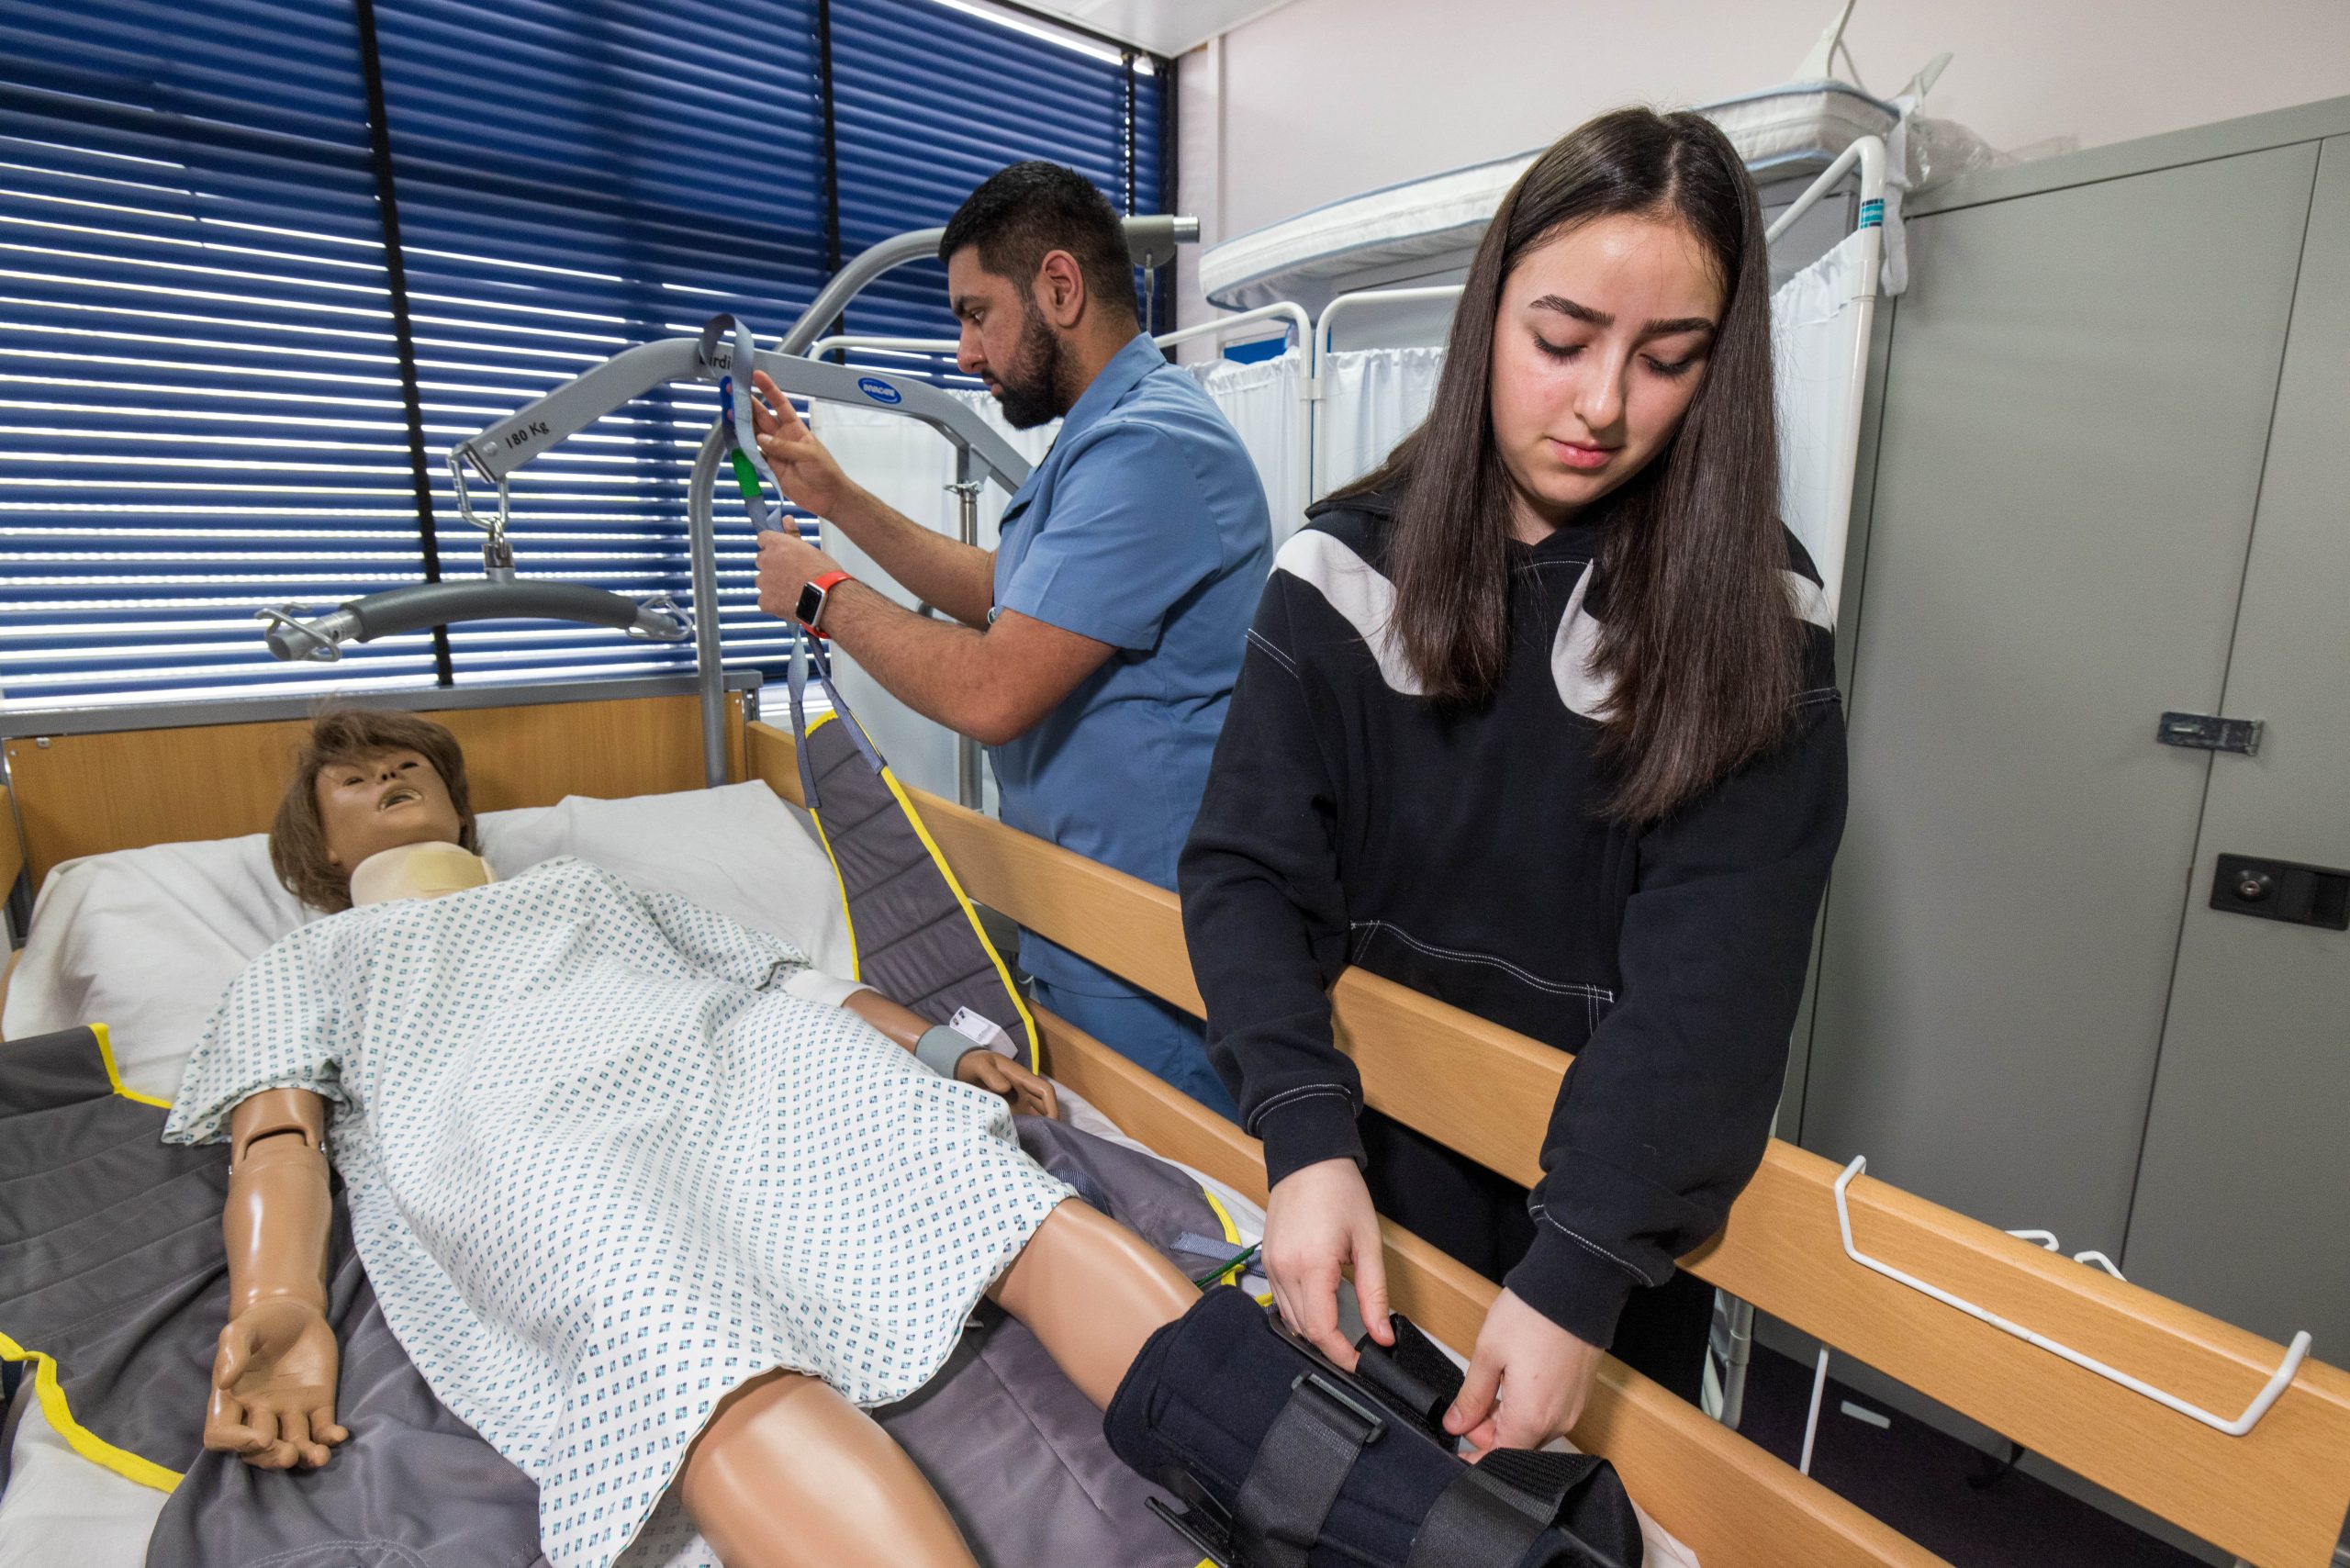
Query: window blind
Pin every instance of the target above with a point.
(201, 374)
(197, 380)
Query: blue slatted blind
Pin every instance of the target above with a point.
(618, 175)
(198, 392)
(930, 100)
(199, 377)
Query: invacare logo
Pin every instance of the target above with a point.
(878, 390)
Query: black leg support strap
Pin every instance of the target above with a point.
(1307, 1455)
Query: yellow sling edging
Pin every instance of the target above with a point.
(114, 1074)
(83, 1441)
(855, 959)
(1035, 1055)
(1223, 1216)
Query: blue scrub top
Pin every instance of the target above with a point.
(1144, 527)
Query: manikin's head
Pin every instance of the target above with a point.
(366, 781)
(1038, 274)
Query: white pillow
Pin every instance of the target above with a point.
(146, 940)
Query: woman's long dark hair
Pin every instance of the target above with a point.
(1697, 634)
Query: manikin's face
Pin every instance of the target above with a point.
(381, 803)
(1006, 343)
(1600, 344)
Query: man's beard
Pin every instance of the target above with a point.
(1033, 388)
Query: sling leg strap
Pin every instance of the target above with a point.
(1493, 1512)
(1299, 1470)
(1476, 1522)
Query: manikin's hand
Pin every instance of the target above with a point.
(1527, 1383)
(273, 1388)
(1022, 1090)
(806, 471)
(1319, 1221)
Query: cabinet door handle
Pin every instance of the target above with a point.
(2282, 890)
(2209, 731)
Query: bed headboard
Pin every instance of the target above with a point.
(2275, 1497)
(92, 788)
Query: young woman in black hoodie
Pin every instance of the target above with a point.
(1541, 718)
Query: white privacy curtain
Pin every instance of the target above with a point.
(1815, 322)
(1263, 401)
(909, 466)
(1372, 398)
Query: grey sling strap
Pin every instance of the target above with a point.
(918, 940)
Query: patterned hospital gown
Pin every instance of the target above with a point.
(601, 1171)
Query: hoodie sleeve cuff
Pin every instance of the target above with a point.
(1572, 1285)
(1302, 1127)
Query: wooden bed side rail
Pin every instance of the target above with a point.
(2274, 1497)
(1728, 1500)
(12, 842)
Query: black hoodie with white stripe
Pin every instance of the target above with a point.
(1349, 820)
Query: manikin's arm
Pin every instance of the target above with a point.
(1028, 1093)
(274, 1376)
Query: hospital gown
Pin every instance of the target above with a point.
(601, 1171)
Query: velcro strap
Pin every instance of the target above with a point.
(1411, 1375)
(1299, 1470)
(1476, 1522)
(1492, 1513)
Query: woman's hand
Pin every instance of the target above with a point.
(273, 1388)
(998, 1074)
(808, 474)
(1527, 1383)
(1318, 1223)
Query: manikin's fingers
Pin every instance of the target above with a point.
(1371, 1285)
(295, 1426)
(322, 1423)
(1050, 1102)
(230, 1364)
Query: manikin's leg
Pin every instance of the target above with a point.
(1092, 1291)
(789, 1474)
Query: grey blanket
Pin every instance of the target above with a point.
(111, 1263)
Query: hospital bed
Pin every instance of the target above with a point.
(2274, 1495)
(2236, 1440)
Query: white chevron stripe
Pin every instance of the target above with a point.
(1356, 590)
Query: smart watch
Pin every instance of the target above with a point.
(810, 610)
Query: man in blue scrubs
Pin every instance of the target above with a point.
(1095, 651)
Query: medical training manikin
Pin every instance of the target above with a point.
(646, 1200)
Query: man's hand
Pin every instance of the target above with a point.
(273, 1388)
(998, 1074)
(788, 564)
(807, 473)
(1319, 1221)
(1527, 1383)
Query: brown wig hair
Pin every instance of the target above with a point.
(297, 839)
(1698, 635)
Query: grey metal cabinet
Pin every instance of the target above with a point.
(2015, 967)
(2243, 1186)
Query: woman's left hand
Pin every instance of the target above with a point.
(1527, 1382)
(1022, 1090)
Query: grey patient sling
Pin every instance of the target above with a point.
(918, 940)
(114, 1288)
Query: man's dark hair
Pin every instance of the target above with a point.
(1024, 211)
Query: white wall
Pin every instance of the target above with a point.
(1322, 98)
